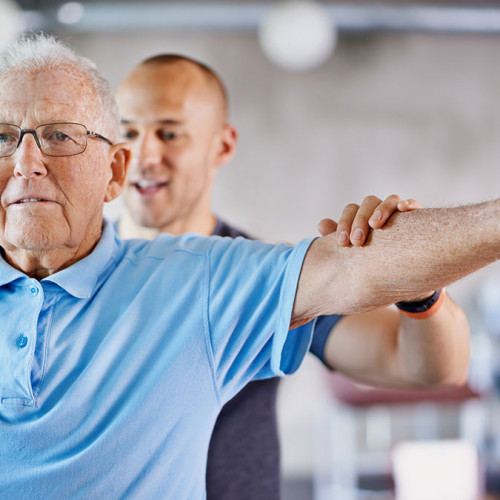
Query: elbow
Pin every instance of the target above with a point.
(455, 380)
(443, 380)
(458, 372)
(459, 376)
(453, 374)
(449, 365)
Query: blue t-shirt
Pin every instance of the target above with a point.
(244, 452)
(112, 371)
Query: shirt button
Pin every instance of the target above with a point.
(33, 290)
(22, 341)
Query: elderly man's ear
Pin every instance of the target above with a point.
(120, 156)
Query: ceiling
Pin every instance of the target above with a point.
(42, 4)
(351, 16)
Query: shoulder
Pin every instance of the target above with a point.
(166, 244)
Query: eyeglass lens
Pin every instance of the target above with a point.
(55, 139)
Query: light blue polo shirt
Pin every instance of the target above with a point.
(113, 371)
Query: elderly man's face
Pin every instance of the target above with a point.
(50, 203)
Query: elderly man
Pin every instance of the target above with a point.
(117, 356)
(175, 117)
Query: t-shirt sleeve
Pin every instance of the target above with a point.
(252, 288)
(322, 328)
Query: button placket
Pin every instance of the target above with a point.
(21, 304)
(22, 340)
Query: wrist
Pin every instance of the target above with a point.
(422, 309)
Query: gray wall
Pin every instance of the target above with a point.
(415, 115)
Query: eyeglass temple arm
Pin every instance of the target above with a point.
(99, 136)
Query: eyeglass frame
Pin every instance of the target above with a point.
(24, 131)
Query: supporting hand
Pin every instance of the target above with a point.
(356, 220)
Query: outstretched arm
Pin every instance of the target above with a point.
(415, 253)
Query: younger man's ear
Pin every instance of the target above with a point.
(120, 156)
(228, 144)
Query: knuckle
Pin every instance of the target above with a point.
(360, 220)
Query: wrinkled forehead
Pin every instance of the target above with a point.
(28, 98)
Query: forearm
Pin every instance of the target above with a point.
(414, 253)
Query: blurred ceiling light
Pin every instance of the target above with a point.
(297, 34)
(70, 13)
(11, 22)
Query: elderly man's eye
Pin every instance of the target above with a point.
(58, 137)
(7, 138)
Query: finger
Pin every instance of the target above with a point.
(344, 225)
(383, 212)
(360, 225)
(327, 226)
(408, 205)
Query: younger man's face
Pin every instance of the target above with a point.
(173, 122)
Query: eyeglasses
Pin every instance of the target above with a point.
(54, 139)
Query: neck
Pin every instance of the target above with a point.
(129, 228)
(36, 265)
(39, 264)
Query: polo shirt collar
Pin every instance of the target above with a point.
(8, 274)
(81, 278)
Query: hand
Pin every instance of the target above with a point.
(356, 220)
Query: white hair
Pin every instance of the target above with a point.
(43, 52)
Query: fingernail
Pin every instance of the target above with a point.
(357, 234)
(342, 237)
(376, 215)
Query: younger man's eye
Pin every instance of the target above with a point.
(167, 136)
(129, 134)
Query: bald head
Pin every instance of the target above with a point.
(164, 75)
(212, 79)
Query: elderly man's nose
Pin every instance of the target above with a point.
(28, 161)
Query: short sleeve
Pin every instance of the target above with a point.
(252, 287)
(322, 330)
